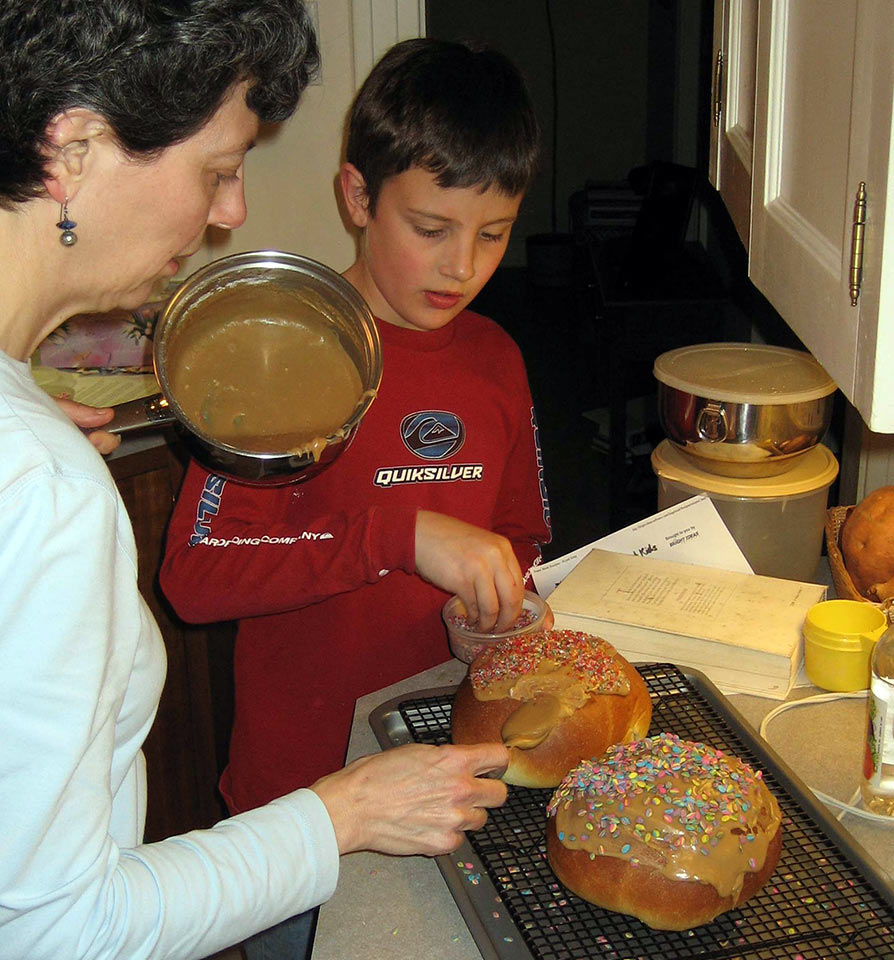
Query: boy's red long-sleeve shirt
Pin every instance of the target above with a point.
(320, 573)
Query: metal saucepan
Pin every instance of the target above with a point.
(297, 291)
(743, 410)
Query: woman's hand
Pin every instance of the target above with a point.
(414, 799)
(477, 565)
(88, 419)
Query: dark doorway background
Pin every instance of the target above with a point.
(616, 86)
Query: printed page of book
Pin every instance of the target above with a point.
(742, 610)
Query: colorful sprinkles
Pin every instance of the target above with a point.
(591, 659)
(462, 622)
(665, 790)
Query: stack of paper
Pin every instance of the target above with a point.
(688, 532)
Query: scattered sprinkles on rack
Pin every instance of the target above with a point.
(690, 794)
(592, 660)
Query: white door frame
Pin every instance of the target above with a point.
(378, 25)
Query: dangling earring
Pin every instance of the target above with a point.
(68, 237)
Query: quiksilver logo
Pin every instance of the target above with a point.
(433, 434)
(391, 476)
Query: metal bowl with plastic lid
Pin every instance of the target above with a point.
(743, 409)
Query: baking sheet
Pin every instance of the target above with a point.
(824, 900)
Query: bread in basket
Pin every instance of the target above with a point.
(844, 585)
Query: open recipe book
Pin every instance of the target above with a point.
(741, 630)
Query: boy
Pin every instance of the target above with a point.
(441, 486)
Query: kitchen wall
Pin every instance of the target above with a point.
(291, 174)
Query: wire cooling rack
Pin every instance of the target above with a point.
(825, 899)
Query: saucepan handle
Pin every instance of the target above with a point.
(141, 414)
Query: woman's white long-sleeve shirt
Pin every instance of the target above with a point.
(82, 665)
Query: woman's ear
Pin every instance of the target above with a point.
(353, 188)
(71, 139)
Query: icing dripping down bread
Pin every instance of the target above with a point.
(553, 698)
(667, 830)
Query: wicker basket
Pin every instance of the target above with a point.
(844, 586)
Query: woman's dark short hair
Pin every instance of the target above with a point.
(157, 70)
(459, 111)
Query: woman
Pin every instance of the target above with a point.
(123, 129)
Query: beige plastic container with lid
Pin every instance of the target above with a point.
(743, 409)
(776, 521)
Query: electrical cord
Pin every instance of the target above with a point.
(832, 801)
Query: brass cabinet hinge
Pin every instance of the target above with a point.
(718, 87)
(857, 242)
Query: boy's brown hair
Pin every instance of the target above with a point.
(459, 111)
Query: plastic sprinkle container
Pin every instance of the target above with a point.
(466, 643)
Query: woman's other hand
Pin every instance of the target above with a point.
(414, 799)
(89, 419)
(476, 564)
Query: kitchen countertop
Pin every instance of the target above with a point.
(401, 907)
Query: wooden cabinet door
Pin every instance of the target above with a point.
(732, 105)
(823, 101)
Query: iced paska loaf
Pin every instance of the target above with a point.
(552, 697)
(667, 830)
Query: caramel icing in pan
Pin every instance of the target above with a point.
(262, 381)
(683, 808)
(554, 673)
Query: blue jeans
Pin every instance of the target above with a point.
(293, 939)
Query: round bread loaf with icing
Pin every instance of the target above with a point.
(666, 830)
(554, 698)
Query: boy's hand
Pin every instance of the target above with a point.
(477, 565)
(414, 799)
